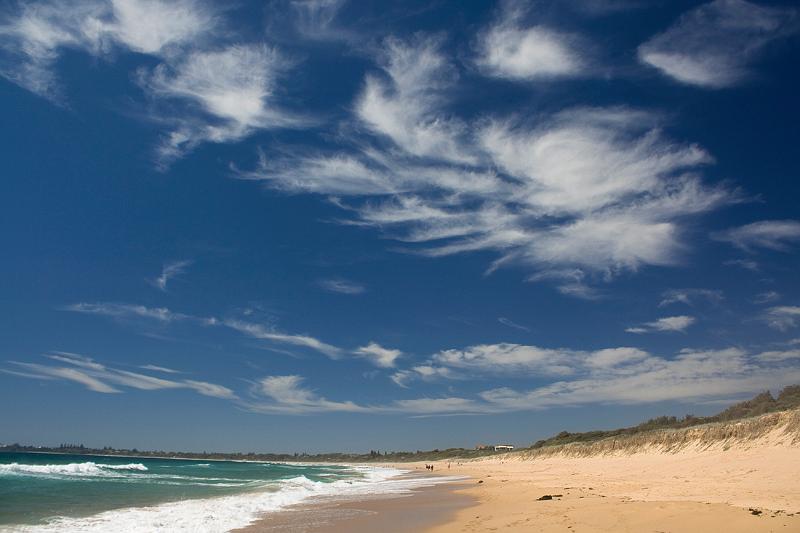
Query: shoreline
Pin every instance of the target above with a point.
(504, 495)
(419, 509)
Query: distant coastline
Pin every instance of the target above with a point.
(787, 399)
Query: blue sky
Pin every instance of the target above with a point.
(318, 225)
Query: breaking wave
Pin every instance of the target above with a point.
(71, 469)
(224, 513)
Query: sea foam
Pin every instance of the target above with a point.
(71, 469)
(224, 513)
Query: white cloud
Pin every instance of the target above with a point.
(691, 376)
(770, 234)
(713, 45)
(669, 323)
(286, 394)
(778, 355)
(593, 192)
(170, 271)
(587, 159)
(342, 286)
(158, 368)
(259, 331)
(623, 375)
(439, 406)
(230, 93)
(402, 378)
(166, 316)
(101, 378)
(570, 282)
(150, 26)
(614, 357)
(36, 34)
(426, 372)
(510, 50)
(69, 374)
(782, 317)
(766, 297)
(121, 310)
(407, 107)
(204, 91)
(210, 389)
(316, 20)
(378, 355)
(510, 323)
(747, 264)
(690, 296)
(508, 358)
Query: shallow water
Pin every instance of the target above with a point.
(53, 492)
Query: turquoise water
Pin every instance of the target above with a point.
(53, 492)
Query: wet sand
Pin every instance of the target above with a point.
(419, 510)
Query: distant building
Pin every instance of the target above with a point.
(495, 447)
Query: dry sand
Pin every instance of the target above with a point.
(703, 479)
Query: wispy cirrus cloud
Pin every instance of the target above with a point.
(206, 89)
(766, 297)
(158, 368)
(98, 377)
(288, 395)
(623, 375)
(713, 45)
(220, 95)
(512, 50)
(259, 331)
(769, 234)
(782, 317)
(123, 311)
(508, 359)
(168, 272)
(126, 311)
(34, 35)
(690, 296)
(404, 104)
(510, 323)
(317, 20)
(668, 324)
(778, 355)
(590, 191)
(378, 355)
(618, 376)
(747, 264)
(691, 375)
(342, 286)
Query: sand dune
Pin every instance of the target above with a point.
(704, 478)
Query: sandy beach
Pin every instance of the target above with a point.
(736, 477)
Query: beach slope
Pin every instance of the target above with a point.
(733, 476)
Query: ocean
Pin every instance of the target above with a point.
(55, 492)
